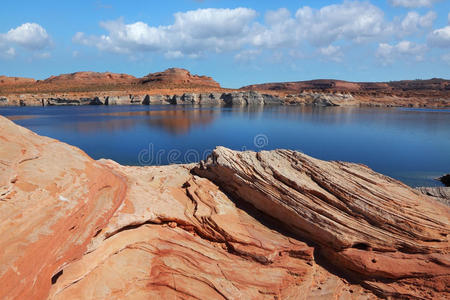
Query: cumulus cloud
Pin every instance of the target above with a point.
(414, 22)
(281, 30)
(354, 21)
(405, 50)
(332, 53)
(30, 36)
(440, 37)
(246, 56)
(6, 52)
(413, 3)
(218, 30)
(192, 33)
(197, 33)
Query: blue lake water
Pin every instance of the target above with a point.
(412, 145)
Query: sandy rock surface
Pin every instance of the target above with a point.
(242, 225)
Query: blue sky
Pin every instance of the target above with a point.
(236, 42)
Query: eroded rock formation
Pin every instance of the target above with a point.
(74, 228)
(180, 86)
(79, 78)
(176, 77)
(213, 98)
(5, 80)
(53, 199)
(441, 194)
(413, 93)
(367, 224)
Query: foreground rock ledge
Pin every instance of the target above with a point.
(241, 225)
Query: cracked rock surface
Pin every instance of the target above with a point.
(241, 225)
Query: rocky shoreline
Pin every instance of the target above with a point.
(240, 225)
(212, 98)
(236, 98)
(178, 86)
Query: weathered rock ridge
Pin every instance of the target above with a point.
(411, 93)
(74, 88)
(10, 81)
(241, 225)
(177, 77)
(213, 98)
(89, 78)
(441, 194)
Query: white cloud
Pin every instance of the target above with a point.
(440, 37)
(174, 54)
(213, 23)
(404, 50)
(197, 33)
(192, 33)
(354, 21)
(332, 53)
(414, 22)
(201, 31)
(246, 56)
(29, 35)
(7, 53)
(413, 3)
(281, 30)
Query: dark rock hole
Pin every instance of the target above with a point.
(361, 246)
(56, 276)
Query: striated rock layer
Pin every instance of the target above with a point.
(213, 98)
(433, 92)
(11, 81)
(376, 229)
(242, 225)
(76, 88)
(53, 199)
(177, 77)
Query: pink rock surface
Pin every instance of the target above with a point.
(242, 225)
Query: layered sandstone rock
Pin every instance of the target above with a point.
(176, 77)
(53, 200)
(182, 87)
(214, 98)
(321, 99)
(331, 85)
(391, 237)
(89, 78)
(74, 228)
(5, 80)
(328, 92)
(441, 194)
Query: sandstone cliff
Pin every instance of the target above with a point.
(212, 98)
(241, 225)
(77, 88)
(413, 93)
(13, 81)
(89, 78)
(174, 77)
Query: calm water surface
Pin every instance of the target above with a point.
(412, 145)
